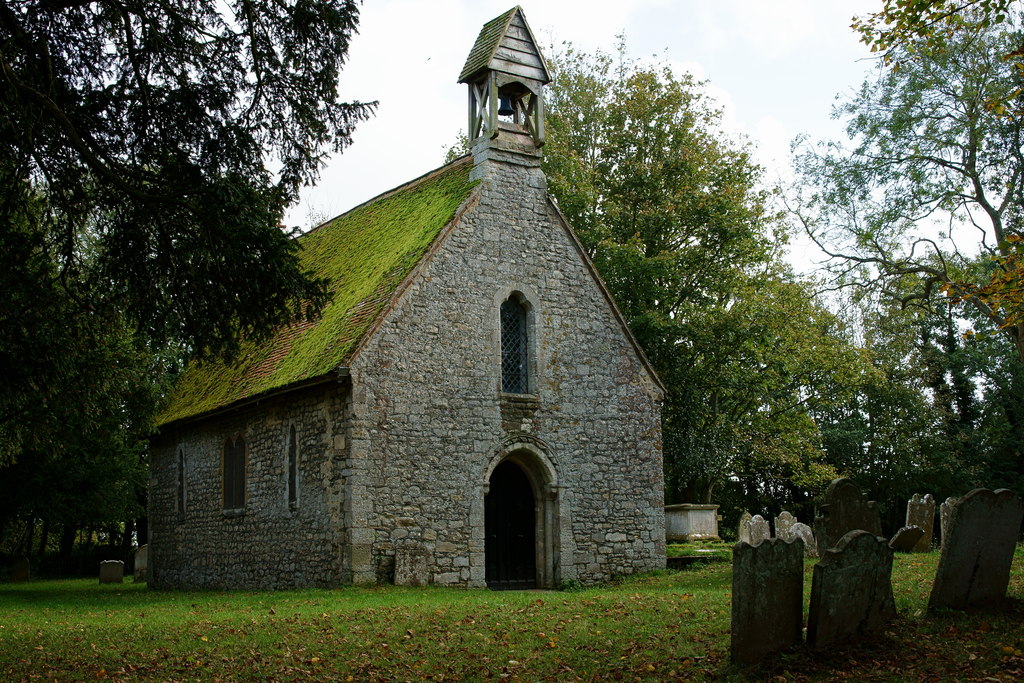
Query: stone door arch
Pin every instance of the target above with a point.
(520, 516)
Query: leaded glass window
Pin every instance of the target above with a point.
(514, 348)
(293, 469)
(234, 474)
(180, 499)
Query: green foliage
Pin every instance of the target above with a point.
(365, 254)
(674, 215)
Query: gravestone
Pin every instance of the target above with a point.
(767, 598)
(759, 530)
(141, 564)
(974, 566)
(20, 570)
(921, 513)
(906, 539)
(412, 565)
(111, 571)
(851, 591)
(744, 530)
(844, 510)
(691, 522)
(945, 511)
(784, 525)
(804, 533)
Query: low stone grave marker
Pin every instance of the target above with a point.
(851, 592)
(921, 513)
(784, 525)
(906, 539)
(141, 564)
(412, 565)
(844, 510)
(767, 598)
(804, 533)
(744, 528)
(759, 530)
(20, 570)
(974, 566)
(945, 511)
(111, 571)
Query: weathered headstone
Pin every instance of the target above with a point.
(111, 571)
(921, 513)
(412, 565)
(945, 512)
(20, 570)
(905, 540)
(804, 533)
(844, 510)
(141, 564)
(974, 567)
(759, 530)
(851, 592)
(744, 530)
(767, 598)
(784, 525)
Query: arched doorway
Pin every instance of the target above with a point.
(510, 528)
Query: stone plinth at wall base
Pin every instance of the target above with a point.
(691, 522)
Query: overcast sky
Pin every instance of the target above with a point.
(775, 66)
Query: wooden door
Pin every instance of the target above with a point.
(511, 530)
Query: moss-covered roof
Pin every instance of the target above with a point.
(366, 253)
(488, 42)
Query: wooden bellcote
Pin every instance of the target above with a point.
(506, 74)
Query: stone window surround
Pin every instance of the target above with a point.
(181, 493)
(531, 302)
(291, 450)
(237, 511)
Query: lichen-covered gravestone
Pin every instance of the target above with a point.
(945, 512)
(921, 513)
(851, 592)
(759, 530)
(906, 539)
(141, 564)
(974, 567)
(784, 525)
(744, 528)
(767, 598)
(843, 511)
(804, 533)
(111, 571)
(20, 570)
(412, 565)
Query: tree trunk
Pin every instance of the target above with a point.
(44, 537)
(67, 545)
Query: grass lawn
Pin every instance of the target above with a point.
(668, 626)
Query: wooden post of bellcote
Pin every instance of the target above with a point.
(506, 74)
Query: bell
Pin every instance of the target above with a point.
(505, 107)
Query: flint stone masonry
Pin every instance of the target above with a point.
(691, 522)
(20, 570)
(141, 564)
(945, 512)
(112, 571)
(767, 598)
(906, 539)
(844, 510)
(921, 513)
(744, 527)
(851, 592)
(784, 525)
(804, 533)
(400, 449)
(974, 566)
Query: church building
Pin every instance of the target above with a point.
(471, 409)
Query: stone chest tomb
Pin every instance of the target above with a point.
(470, 409)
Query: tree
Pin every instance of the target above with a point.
(675, 218)
(934, 177)
(149, 127)
(135, 142)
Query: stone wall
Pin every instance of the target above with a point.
(430, 422)
(270, 544)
